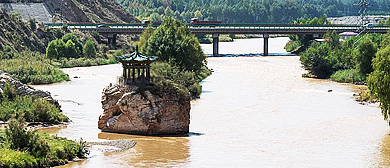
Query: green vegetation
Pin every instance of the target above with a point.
(21, 147)
(32, 68)
(364, 54)
(298, 43)
(352, 57)
(347, 76)
(89, 49)
(31, 109)
(186, 81)
(174, 42)
(246, 11)
(379, 80)
(182, 63)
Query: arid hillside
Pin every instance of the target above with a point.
(89, 11)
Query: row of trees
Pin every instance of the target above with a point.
(70, 47)
(276, 11)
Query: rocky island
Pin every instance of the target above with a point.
(146, 111)
(138, 106)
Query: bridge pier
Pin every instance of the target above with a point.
(215, 44)
(265, 36)
(111, 39)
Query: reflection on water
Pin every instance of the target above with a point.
(149, 152)
(254, 112)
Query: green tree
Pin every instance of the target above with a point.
(89, 49)
(155, 17)
(174, 41)
(61, 49)
(71, 51)
(363, 56)
(198, 14)
(51, 50)
(379, 80)
(78, 44)
(332, 40)
(144, 38)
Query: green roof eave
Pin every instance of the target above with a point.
(136, 56)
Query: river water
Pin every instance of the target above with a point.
(253, 112)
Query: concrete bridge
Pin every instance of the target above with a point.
(111, 30)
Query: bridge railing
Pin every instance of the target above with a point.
(226, 26)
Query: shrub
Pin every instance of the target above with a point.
(24, 140)
(348, 76)
(188, 81)
(317, 61)
(16, 159)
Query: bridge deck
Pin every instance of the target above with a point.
(230, 28)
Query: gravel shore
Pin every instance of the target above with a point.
(112, 145)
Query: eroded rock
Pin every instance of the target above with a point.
(147, 111)
(22, 89)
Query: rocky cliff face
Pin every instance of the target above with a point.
(150, 111)
(22, 89)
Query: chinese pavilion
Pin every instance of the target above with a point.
(136, 67)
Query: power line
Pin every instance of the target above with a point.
(362, 4)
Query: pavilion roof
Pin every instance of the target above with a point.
(136, 57)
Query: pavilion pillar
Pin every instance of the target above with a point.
(139, 72)
(133, 75)
(143, 74)
(265, 36)
(128, 69)
(215, 44)
(124, 72)
(148, 73)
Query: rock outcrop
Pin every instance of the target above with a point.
(146, 111)
(22, 89)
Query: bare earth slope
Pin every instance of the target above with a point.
(90, 11)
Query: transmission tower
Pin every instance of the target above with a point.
(362, 4)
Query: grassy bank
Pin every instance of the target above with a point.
(348, 76)
(32, 68)
(84, 62)
(31, 109)
(20, 147)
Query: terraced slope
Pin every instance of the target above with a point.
(38, 11)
